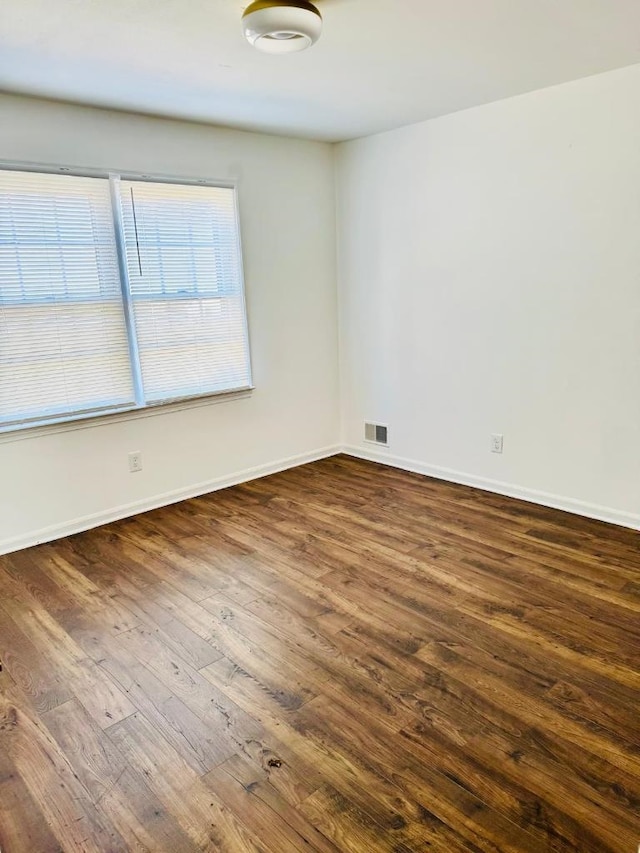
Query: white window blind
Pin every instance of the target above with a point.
(63, 340)
(116, 294)
(185, 278)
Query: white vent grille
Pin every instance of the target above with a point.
(376, 433)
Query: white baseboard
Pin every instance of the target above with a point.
(86, 522)
(77, 525)
(600, 513)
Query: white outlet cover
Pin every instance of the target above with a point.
(497, 443)
(135, 461)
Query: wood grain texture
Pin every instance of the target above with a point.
(340, 657)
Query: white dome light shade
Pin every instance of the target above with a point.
(281, 26)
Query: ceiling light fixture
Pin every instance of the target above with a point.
(281, 26)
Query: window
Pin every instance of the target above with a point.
(116, 294)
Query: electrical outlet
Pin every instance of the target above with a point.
(135, 461)
(497, 442)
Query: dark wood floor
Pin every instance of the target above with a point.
(341, 657)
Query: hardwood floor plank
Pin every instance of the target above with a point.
(201, 814)
(339, 657)
(94, 759)
(201, 746)
(28, 668)
(257, 782)
(366, 742)
(346, 825)
(141, 818)
(341, 674)
(66, 804)
(454, 712)
(365, 789)
(32, 569)
(22, 824)
(172, 632)
(67, 662)
(219, 713)
(260, 818)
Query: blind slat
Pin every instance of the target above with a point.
(70, 327)
(185, 276)
(63, 340)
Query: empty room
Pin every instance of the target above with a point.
(320, 426)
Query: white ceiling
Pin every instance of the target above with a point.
(379, 64)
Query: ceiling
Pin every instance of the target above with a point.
(379, 64)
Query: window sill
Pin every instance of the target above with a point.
(106, 418)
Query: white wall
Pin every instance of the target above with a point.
(489, 271)
(60, 480)
(489, 268)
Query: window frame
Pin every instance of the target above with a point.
(141, 408)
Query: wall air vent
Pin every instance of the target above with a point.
(376, 433)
